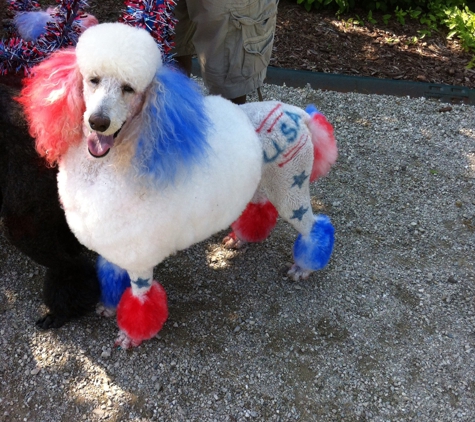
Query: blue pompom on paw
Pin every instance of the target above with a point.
(113, 280)
(313, 252)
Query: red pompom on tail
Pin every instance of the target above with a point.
(325, 151)
(142, 317)
(256, 222)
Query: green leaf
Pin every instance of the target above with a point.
(370, 18)
(471, 63)
(451, 34)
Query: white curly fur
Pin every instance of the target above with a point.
(134, 223)
(120, 215)
(114, 49)
(117, 63)
(136, 227)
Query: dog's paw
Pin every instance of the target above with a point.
(297, 273)
(105, 311)
(125, 342)
(231, 241)
(51, 321)
(141, 317)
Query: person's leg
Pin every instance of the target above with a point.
(233, 41)
(184, 30)
(185, 63)
(239, 100)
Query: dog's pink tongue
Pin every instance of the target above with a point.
(99, 145)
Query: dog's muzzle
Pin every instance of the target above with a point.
(99, 145)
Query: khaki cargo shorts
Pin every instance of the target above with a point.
(232, 39)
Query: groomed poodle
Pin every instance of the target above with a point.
(33, 220)
(148, 166)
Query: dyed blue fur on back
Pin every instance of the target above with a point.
(175, 127)
(313, 252)
(113, 280)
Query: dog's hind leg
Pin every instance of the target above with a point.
(314, 244)
(142, 310)
(254, 224)
(297, 147)
(287, 185)
(312, 252)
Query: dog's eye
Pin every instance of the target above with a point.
(94, 81)
(127, 88)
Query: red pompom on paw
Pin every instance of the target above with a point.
(142, 317)
(256, 222)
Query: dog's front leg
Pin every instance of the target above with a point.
(142, 310)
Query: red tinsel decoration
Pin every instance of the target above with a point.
(23, 6)
(17, 55)
(156, 16)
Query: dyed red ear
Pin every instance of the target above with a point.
(53, 104)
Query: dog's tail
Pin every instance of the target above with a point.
(325, 151)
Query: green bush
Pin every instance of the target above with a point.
(343, 6)
(461, 23)
(455, 16)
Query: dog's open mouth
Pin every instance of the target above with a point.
(99, 145)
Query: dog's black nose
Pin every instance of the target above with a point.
(99, 122)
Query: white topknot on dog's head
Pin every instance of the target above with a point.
(116, 49)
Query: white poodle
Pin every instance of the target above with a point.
(148, 166)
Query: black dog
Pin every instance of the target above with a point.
(33, 220)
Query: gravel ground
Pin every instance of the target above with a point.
(384, 333)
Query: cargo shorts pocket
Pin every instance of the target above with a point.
(257, 24)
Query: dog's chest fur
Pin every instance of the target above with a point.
(135, 224)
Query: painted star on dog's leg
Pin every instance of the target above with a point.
(231, 241)
(299, 213)
(299, 180)
(297, 273)
(142, 283)
(125, 342)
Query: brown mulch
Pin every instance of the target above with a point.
(321, 42)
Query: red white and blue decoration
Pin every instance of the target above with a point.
(23, 6)
(19, 55)
(156, 16)
(37, 33)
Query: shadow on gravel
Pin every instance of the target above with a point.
(385, 332)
